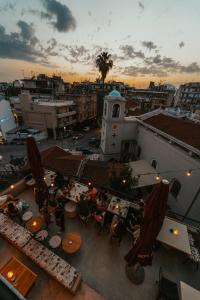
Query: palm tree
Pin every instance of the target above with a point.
(104, 63)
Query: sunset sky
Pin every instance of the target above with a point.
(149, 39)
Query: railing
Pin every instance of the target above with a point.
(188, 221)
(66, 114)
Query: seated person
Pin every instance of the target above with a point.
(102, 203)
(59, 180)
(12, 210)
(61, 197)
(119, 230)
(83, 206)
(91, 193)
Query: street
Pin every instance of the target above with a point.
(20, 150)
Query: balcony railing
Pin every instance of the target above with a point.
(66, 114)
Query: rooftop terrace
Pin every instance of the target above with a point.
(102, 266)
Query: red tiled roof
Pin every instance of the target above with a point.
(56, 159)
(130, 104)
(136, 112)
(183, 130)
(52, 152)
(96, 172)
(67, 166)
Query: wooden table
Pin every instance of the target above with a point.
(76, 191)
(24, 277)
(179, 241)
(119, 208)
(71, 242)
(35, 224)
(188, 292)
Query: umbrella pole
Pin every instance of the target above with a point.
(135, 273)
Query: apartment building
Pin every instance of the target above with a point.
(86, 106)
(47, 114)
(188, 95)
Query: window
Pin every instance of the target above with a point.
(105, 109)
(138, 151)
(154, 163)
(116, 111)
(175, 189)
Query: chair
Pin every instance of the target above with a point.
(168, 289)
(85, 219)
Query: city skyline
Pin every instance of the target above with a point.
(148, 40)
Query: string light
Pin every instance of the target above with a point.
(124, 180)
(157, 176)
(189, 173)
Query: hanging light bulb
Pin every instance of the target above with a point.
(189, 173)
(157, 177)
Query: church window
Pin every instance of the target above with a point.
(116, 111)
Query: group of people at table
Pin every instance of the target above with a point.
(93, 203)
(90, 203)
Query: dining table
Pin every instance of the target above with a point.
(71, 242)
(35, 224)
(188, 292)
(175, 234)
(118, 206)
(76, 191)
(19, 275)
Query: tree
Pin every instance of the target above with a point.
(104, 63)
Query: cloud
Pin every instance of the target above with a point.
(50, 50)
(18, 45)
(160, 66)
(38, 13)
(77, 54)
(181, 44)
(141, 6)
(130, 53)
(149, 45)
(64, 18)
(27, 32)
(192, 68)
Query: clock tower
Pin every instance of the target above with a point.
(112, 125)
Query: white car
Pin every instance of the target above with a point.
(86, 128)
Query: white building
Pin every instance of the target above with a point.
(7, 121)
(170, 144)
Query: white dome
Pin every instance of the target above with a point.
(114, 93)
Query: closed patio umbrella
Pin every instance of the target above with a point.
(154, 214)
(34, 158)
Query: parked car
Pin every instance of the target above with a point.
(86, 128)
(77, 136)
(18, 136)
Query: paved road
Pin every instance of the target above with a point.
(68, 143)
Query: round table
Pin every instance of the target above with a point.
(70, 209)
(71, 242)
(35, 224)
(27, 216)
(42, 235)
(55, 241)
